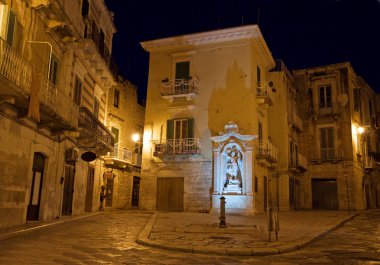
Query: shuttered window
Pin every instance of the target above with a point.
(182, 70)
(115, 132)
(11, 27)
(53, 70)
(357, 99)
(96, 107)
(325, 96)
(327, 143)
(77, 91)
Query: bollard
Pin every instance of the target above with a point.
(222, 217)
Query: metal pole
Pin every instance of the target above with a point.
(222, 217)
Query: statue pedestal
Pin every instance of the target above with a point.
(235, 204)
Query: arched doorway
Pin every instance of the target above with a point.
(36, 187)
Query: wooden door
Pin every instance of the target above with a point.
(325, 194)
(89, 189)
(68, 189)
(170, 194)
(135, 191)
(36, 187)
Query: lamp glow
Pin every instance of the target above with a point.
(135, 137)
(360, 130)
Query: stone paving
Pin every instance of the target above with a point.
(109, 238)
(244, 235)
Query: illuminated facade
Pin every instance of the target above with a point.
(125, 120)
(55, 72)
(213, 126)
(340, 139)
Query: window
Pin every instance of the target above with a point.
(77, 91)
(182, 70)
(357, 99)
(116, 98)
(180, 129)
(258, 74)
(256, 184)
(10, 28)
(327, 143)
(53, 70)
(325, 96)
(291, 152)
(260, 132)
(96, 107)
(115, 132)
(85, 8)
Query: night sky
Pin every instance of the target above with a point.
(303, 33)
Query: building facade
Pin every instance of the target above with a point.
(123, 165)
(216, 119)
(55, 73)
(340, 139)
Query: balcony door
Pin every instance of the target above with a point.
(68, 189)
(180, 135)
(36, 187)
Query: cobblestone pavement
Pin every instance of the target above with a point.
(110, 239)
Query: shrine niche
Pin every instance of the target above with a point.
(233, 170)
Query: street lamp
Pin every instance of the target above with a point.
(360, 130)
(135, 137)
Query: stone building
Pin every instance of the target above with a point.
(219, 111)
(340, 139)
(123, 165)
(55, 72)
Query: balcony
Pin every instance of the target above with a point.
(368, 163)
(96, 54)
(298, 164)
(328, 155)
(15, 73)
(187, 88)
(266, 152)
(119, 157)
(58, 112)
(264, 94)
(93, 134)
(296, 121)
(186, 146)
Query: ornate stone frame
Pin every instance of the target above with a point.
(239, 201)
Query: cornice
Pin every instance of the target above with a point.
(209, 37)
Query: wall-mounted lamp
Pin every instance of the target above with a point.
(360, 130)
(135, 137)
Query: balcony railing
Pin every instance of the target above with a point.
(120, 153)
(186, 146)
(368, 162)
(266, 151)
(14, 67)
(180, 88)
(264, 93)
(91, 124)
(58, 102)
(328, 155)
(302, 162)
(298, 163)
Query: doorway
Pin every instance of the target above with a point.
(265, 193)
(109, 192)
(68, 189)
(36, 188)
(135, 191)
(325, 194)
(170, 194)
(89, 189)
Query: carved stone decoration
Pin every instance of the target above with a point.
(233, 170)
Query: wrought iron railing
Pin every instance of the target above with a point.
(178, 147)
(90, 122)
(58, 102)
(14, 67)
(266, 151)
(264, 90)
(188, 86)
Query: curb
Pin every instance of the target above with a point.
(46, 225)
(143, 239)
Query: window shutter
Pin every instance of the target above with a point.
(11, 27)
(190, 128)
(169, 129)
